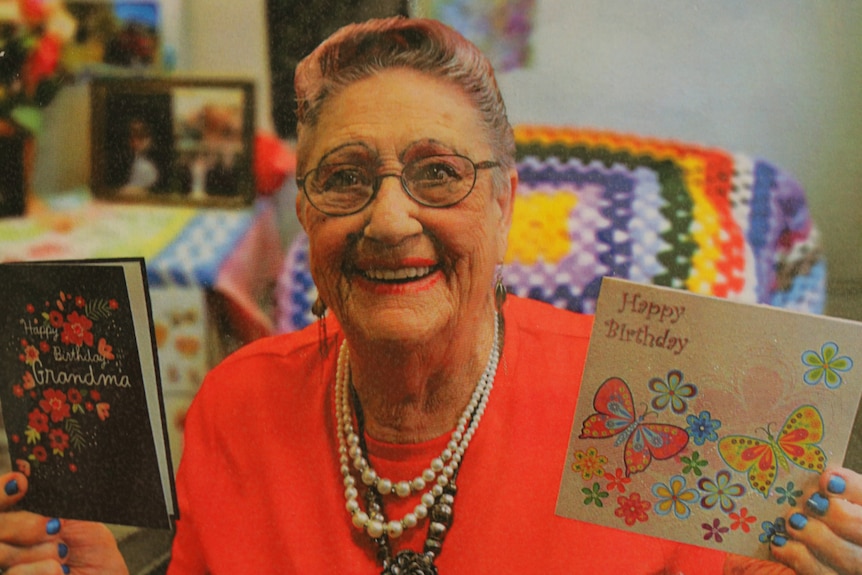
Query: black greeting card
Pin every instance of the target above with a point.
(81, 395)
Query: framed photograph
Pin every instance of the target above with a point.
(172, 140)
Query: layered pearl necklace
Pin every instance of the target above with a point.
(436, 480)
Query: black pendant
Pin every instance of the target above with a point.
(410, 563)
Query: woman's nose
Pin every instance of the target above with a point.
(392, 216)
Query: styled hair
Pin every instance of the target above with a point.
(358, 51)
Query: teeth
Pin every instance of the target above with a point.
(399, 274)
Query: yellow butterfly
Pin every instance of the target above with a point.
(796, 442)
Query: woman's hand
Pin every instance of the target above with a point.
(825, 534)
(36, 545)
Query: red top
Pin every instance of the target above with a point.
(260, 489)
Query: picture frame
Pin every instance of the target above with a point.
(172, 140)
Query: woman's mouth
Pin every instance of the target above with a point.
(400, 275)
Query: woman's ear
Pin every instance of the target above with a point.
(506, 202)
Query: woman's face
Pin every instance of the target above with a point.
(398, 270)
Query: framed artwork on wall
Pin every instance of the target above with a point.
(187, 141)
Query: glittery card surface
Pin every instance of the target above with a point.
(704, 421)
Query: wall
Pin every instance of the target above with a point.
(780, 79)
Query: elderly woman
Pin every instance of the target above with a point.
(422, 425)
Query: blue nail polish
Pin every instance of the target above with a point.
(53, 526)
(65, 568)
(798, 521)
(11, 488)
(779, 540)
(836, 485)
(62, 550)
(818, 503)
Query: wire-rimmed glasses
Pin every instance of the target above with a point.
(438, 181)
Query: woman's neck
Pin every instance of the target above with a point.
(411, 394)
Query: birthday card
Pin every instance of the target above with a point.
(704, 421)
(81, 396)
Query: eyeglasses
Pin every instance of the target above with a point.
(342, 189)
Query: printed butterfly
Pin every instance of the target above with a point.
(796, 442)
(616, 417)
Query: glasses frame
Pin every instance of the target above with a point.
(378, 179)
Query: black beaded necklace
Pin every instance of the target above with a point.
(440, 516)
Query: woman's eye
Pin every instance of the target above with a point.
(434, 172)
(342, 178)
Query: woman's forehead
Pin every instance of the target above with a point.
(391, 111)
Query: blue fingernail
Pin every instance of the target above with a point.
(11, 488)
(818, 503)
(779, 540)
(62, 550)
(798, 521)
(53, 526)
(836, 485)
(65, 568)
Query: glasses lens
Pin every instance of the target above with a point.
(439, 180)
(339, 188)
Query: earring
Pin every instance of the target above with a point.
(499, 290)
(318, 308)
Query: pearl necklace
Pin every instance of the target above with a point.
(438, 473)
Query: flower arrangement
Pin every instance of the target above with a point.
(32, 35)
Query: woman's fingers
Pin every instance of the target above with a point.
(14, 488)
(42, 555)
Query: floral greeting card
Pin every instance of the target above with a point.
(703, 420)
(81, 397)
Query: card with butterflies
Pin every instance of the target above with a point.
(703, 420)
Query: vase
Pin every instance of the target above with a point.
(17, 150)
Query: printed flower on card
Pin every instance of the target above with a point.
(56, 319)
(103, 410)
(105, 350)
(589, 463)
(671, 392)
(788, 494)
(618, 480)
(594, 495)
(674, 496)
(702, 427)
(720, 491)
(741, 520)
(31, 355)
(76, 330)
(40, 454)
(17, 390)
(28, 381)
(827, 366)
(714, 530)
(38, 421)
(772, 529)
(632, 509)
(55, 405)
(59, 441)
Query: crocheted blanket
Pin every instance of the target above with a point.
(592, 204)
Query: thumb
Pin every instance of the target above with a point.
(14, 488)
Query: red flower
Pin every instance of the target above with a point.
(31, 355)
(103, 410)
(74, 396)
(59, 440)
(16, 438)
(742, 520)
(56, 319)
(29, 380)
(73, 468)
(617, 481)
(95, 395)
(112, 303)
(55, 404)
(38, 421)
(89, 406)
(632, 509)
(30, 308)
(79, 301)
(105, 350)
(76, 330)
(44, 346)
(24, 342)
(17, 390)
(40, 453)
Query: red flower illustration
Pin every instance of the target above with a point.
(76, 330)
(113, 304)
(89, 406)
(74, 396)
(632, 509)
(59, 440)
(55, 404)
(30, 308)
(38, 421)
(31, 355)
(79, 301)
(617, 480)
(17, 390)
(56, 319)
(44, 346)
(103, 410)
(29, 381)
(105, 350)
(95, 395)
(40, 453)
(742, 520)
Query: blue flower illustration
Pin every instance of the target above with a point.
(674, 497)
(702, 428)
(720, 491)
(772, 529)
(826, 366)
(788, 494)
(671, 392)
